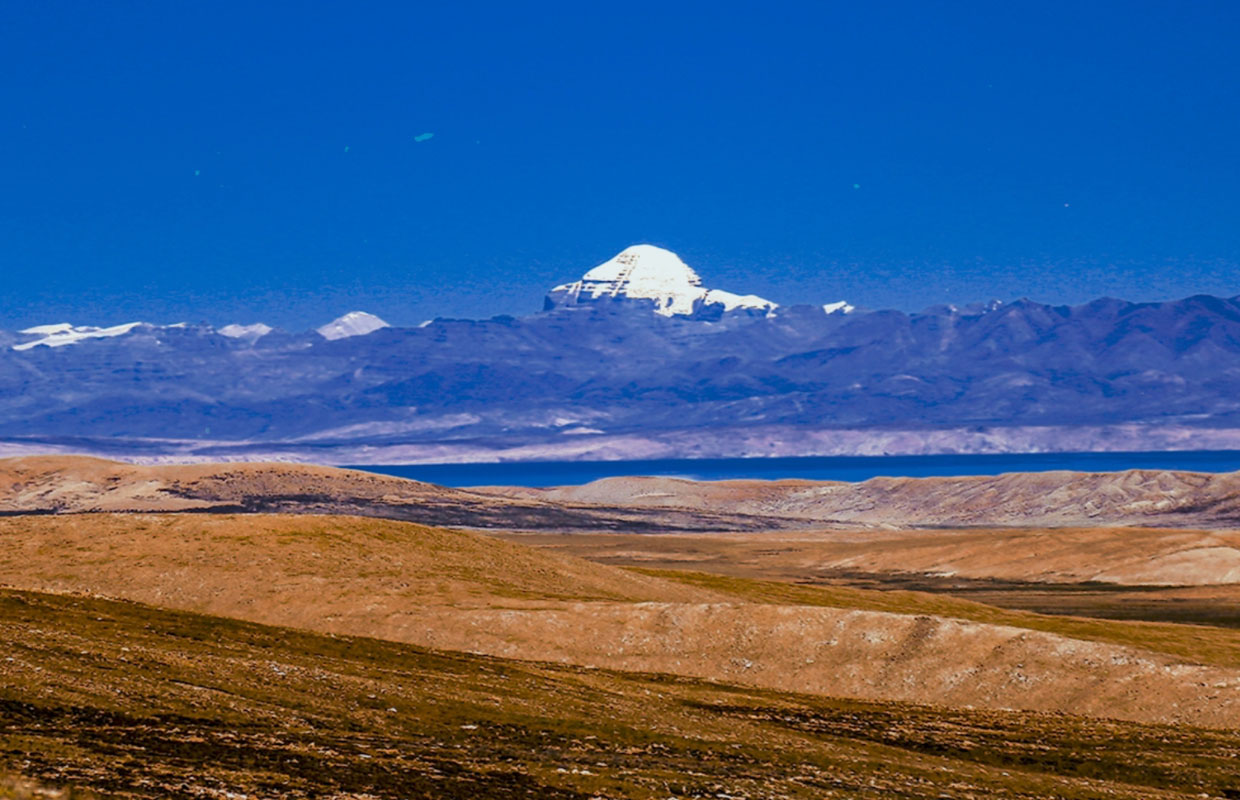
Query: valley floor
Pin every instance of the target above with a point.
(1135, 574)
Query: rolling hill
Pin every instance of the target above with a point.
(127, 700)
(468, 592)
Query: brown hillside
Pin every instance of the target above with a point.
(470, 592)
(1135, 497)
(68, 484)
(135, 701)
(301, 570)
(1121, 556)
(76, 484)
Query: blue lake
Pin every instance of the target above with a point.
(836, 468)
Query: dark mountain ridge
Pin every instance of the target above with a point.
(613, 376)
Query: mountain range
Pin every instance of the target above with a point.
(637, 359)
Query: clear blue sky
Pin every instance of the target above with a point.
(223, 161)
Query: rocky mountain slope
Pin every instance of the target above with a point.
(638, 359)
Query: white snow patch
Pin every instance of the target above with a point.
(841, 307)
(251, 333)
(64, 333)
(731, 301)
(355, 323)
(48, 330)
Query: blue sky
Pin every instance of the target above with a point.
(220, 162)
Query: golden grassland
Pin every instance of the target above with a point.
(1193, 643)
(137, 698)
(125, 699)
(470, 592)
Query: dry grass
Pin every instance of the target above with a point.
(16, 788)
(130, 700)
(464, 591)
(1190, 643)
(310, 566)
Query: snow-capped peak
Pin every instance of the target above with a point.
(48, 330)
(355, 323)
(249, 333)
(839, 307)
(646, 272)
(64, 333)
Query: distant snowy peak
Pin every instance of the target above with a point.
(649, 273)
(355, 323)
(839, 307)
(247, 333)
(64, 333)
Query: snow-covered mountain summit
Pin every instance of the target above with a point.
(355, 323)
(248, 333)
(651, 274)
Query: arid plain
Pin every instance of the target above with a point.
(280, 630)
